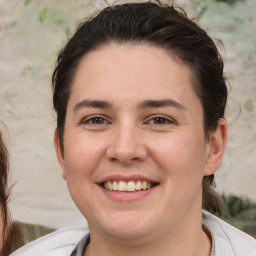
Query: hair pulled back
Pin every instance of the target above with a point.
(4, 194)
(152, 24)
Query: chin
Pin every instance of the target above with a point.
(129, 226)
(129, 233)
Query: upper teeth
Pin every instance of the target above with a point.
(127, 186)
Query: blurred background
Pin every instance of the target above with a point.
(31, 34)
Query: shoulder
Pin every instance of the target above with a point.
(59, 243)
(228, 239)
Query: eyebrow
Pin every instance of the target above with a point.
(92, 104)
(101, 104)
(161, 103)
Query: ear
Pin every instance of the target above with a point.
(59, 151)
(215, 148)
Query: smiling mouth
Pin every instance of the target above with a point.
(130, 186)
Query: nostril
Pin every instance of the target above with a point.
(126, 155)
(126, 144)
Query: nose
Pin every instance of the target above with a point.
(126, 146)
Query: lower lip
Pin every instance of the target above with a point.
(127, 196)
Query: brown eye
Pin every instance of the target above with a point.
(97, 120)
(160, 120)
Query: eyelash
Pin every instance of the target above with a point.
(91, 119)
(152, 120)
(161, 118)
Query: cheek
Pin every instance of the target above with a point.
(173, 150)
(181, 157)
(82, 155)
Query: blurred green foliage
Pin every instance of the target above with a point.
(43, 14)
(239, 212)
(229, 1)
(26, 2)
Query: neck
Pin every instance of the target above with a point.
(193, 242)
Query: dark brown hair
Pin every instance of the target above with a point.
(153, 24)
(4, 194)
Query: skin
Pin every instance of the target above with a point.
(163, 142)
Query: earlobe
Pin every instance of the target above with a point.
(216, 147)
(59, 151)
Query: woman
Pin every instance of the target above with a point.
(140, 98)
(5, 242)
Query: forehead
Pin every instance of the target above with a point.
(137, 71)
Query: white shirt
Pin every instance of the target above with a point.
(226, 240)
(59, 243)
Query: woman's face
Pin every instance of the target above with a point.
(134, 121)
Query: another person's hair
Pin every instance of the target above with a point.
(4, 194)
(156, 25)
